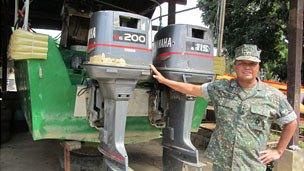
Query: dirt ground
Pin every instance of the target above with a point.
(21, 153)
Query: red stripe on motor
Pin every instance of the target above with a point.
(200, 55)
(91, 46)
(169, 53)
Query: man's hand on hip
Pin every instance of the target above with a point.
(268, 156)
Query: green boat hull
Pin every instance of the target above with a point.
(47, 91)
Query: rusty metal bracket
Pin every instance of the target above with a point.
(68, 146)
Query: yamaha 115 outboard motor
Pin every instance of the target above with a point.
(182, 53)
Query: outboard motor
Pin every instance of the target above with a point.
(119, 48)
(182, 53)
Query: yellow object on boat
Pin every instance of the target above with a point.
(27, 45)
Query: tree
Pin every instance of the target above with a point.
(260, 22)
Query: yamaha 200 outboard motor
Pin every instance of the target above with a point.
(182, 53)
(119, 47)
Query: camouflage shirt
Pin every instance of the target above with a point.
(243, 120)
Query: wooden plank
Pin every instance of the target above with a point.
(295, 33)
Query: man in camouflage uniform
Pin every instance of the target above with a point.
(244, 107)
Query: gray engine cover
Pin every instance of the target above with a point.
(121, 35)
(184, 52)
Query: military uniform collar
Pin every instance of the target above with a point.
(234, 84)
(236, 89)
(259, 84)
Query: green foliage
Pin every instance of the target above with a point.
(260, 22)
(273, 137)
(301, 144)
(301, 127)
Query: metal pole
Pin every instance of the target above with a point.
(27, 7)
(171, 12)
(221, 27)
(16, 11)
(160, 13)
(295, 33)
(184, 10)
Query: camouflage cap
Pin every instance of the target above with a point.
(248, 52)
